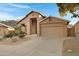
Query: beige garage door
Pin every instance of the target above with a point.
(51, 30)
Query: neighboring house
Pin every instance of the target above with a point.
(35, 23)
(5, 29)
(77, 28)
(71, 31)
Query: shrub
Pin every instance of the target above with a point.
(21, 35)
(9, 35)
(1, 39)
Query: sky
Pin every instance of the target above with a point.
(16, 11)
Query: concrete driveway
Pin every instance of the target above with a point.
(37, 46)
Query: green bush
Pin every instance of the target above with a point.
(21, 35)
(1, 39)
(22, 32)
(11, 34)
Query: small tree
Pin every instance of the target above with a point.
(72, 8)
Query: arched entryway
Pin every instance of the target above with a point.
(33, 25)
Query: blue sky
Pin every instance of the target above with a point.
(9, 11)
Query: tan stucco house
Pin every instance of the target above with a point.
(5, 29)
(36, 23)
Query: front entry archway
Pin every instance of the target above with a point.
(33, 25)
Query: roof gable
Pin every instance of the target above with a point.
(29, 14)
(54, 19)
(3, 25)
(6, 26)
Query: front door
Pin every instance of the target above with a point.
(33, 25)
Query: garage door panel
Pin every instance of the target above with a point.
(54, 31)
